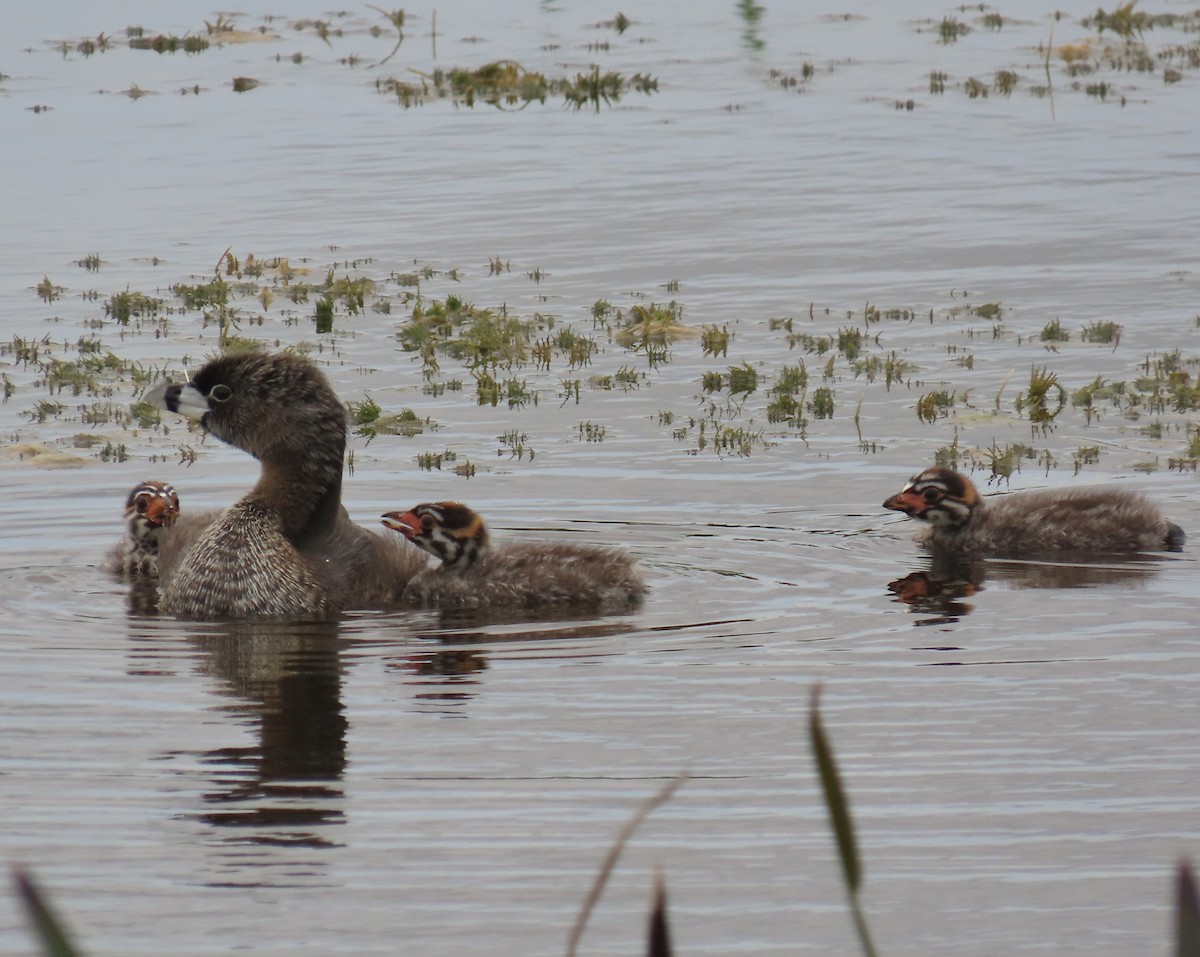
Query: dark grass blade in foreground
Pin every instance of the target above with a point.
(1187, 909)
(614, 854)
(659, 941)
(49, 929)
(839, 817)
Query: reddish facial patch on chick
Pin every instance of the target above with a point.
(907, 501)
(407, 524)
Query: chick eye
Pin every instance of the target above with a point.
(931, 495)
(220, 393)
(426, 522)
(141, 504)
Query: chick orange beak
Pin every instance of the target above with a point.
(160, 511)
(908, 502)
(406, 523)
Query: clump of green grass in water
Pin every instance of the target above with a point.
(595, 88)
(169, 43)
(948, 456)
(642, 326)
(506, 84)
(1124, 21)
(1045, 399)
(93, 374)
(592, 432)
(123, 306)
(323, 315)
(786, 397)
(821, 406)
(428, 461)
(1085, 455)
(812, 345)
(1085, 397)
(1003, 462)
(351, 291)
(894, 368)
(214, 299)
(1054, 332)
(1106, 333)
(43, 410)
(951, 28)
(48, 291)
(371, 422)
(849, 343)
(742, 379)
(577, 349)
(715, 342)
(1005, 82)
(935, 405)
(482, 339)
(515, 443)
(1193, 447)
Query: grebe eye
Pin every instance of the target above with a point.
(427, 521)
(931, 495)
(220, 393)
(141, 503)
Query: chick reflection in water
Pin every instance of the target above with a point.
(939, 593)
(941, 588)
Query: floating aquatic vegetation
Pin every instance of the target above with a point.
(1044, 399)
(371, 422)
(643, 328)
(893, 368)
(1102, 332)
(48, 291)
(1005, 82)
(516, 444)
(951, 28)
(1053, 332)
(1125, 21)
(123, 306)
(935, 405)
(162, 43)
(591, 432)
(821, 406)
(1085, 455)
(975, 89)
(715, 342)
(88, 47)
(506, 84)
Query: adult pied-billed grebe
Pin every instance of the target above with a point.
(1095, 520)
(287, 548)
(473, 574)
(151, 508)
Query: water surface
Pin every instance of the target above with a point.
(1021, 753)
